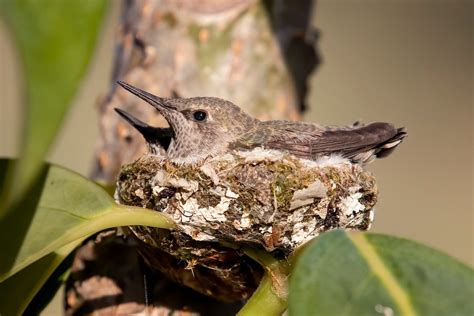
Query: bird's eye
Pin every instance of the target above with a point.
(199, 115)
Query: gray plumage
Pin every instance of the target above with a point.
(202, 127)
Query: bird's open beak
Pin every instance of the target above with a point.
(154, 136)
(159, 103)
(146, 130)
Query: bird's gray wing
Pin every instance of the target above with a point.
(310, 141)
(290, 136)
(359, 144)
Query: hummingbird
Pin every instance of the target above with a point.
(202, 127)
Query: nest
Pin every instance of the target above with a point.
(262, 198)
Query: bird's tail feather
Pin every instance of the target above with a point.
(381, 150)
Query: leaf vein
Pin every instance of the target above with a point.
(378, 268)
(60, 210)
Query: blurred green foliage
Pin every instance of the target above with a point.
(55, 41)
(20, 289)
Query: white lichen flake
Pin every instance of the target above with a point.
(210, 172)
(303, 232)
(231, 194)
(197, 216)
(350, 205)
(139, 193)
(308, 195)
(244, 221)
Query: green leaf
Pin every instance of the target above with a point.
(342, 273)
(20, 289)
(62, 207)
(55, 41)
(56, 280)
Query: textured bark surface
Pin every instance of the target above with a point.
(257, 54)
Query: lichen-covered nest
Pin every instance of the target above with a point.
(265, 199)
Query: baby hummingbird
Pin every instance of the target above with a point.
(202, 127)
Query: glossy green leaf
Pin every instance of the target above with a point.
(69, 208)
(19, 290)
(55, 41)
(342, 273)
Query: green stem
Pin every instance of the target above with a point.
(115, 216)
(264, 301)
(270, 298)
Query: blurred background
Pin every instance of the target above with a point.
(406, 62)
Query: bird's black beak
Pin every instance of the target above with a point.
(156, 102)
(148, 132)
(153, 135)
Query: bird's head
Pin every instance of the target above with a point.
(201, 126)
